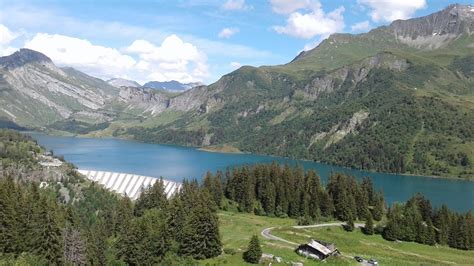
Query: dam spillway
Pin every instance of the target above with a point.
(128, 184)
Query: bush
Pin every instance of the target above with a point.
(229, 251)
(305, 220)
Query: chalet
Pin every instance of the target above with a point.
(317, 250)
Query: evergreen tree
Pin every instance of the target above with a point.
(442, 223)
(378, 209)
(152, 197)
(254, 251)
(369, 224)
(147, 241)
(8, 219)
(201, 239)
(218, 192)
(97, 243)
(124, 215)
(349, 226)
(49, 242)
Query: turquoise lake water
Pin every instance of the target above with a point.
(175, 163)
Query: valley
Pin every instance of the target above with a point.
(396, 99)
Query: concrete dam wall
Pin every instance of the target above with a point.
(128, 184)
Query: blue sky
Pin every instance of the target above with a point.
(187, 40)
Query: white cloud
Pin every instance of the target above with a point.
(390, 10)
(289, 6)
(228, 32)
(6, 37)
(236, 5)
(361, 26)
(316, 22)
(174, 59)
(235, 65)
(97, 60)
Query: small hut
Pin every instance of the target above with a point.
(317, 250)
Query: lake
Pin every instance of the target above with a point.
(176, 162)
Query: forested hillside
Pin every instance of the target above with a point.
(66, 220)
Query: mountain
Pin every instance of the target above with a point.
(399, 98)
(34, 92)
(118, 82)
(172, 85)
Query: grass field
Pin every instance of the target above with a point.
(237, 228)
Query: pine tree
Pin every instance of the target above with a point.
(369, 224)
(97, 243)
(378, 210)
(200, 233)
(124, 215)
(349, 226)
(218, 192)
(8, 221)
(49, 242)
(152, 197)
(442, 222)
(430, 234)
(254, 251)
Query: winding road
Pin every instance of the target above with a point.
(266, 233)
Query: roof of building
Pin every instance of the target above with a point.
(319, 247)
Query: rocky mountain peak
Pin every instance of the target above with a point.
(454, 20)
(22, 57)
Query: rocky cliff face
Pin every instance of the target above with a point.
(33, 91)
(435, 30)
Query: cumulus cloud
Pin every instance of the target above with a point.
(6, 37)
(227, 32)
(390, 10)
(235, 5)
(361, 26)
(82, 54)
(174, 59)
(313, 23)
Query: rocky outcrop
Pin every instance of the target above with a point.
(435, 30)
(341, 130)
(333, 81)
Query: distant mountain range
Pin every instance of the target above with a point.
(172, 85)
(399, 98)
(119, 82)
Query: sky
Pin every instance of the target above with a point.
(188, 40)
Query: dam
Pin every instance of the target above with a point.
(128, 184)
